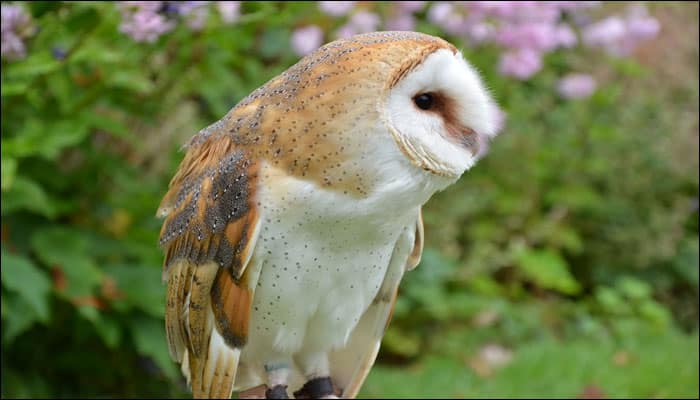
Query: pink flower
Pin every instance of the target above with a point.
(537, 36)
(547, 13)
(481, 31)
(604, 32)
(410, 6)
(457, 25)
(521, 63)
(516, 11)
(365, 21)
(230, 10)
(440, 12)
(565, 36)
(643, 28)
(16, 26)
(13, 47)
(346, 31)
(145, 26)
(575, 5)
(401, 22)
(450, 19)
(306, 39)
(360, 22)
(620, 36)
(336, 8)
(576, 86)
(185, 7)
(195, 13)
(503, 9)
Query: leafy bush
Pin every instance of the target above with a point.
(580, 220)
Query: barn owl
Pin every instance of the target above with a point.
(291, 221)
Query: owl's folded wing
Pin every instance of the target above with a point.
(209, 233)
(350, 365)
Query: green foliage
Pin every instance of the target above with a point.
(548, 270)
(28, 290)
(550, 368)
(574, 234)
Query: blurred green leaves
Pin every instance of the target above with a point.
(9, 169)
(149, 339)
(28, 297)
(548, 270)
(632, 297)
(66, 251)
(24, 194)
(138, 286)
(579, 222)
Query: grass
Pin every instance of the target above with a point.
(645, 366)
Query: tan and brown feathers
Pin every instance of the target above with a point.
(211, 212)
(208, 237)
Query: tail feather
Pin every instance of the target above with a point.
(198, 319)
(221, 368)
(212, 375)
(173, 327)
(208, 362)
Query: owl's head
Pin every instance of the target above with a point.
(430, 100)
(438, 110)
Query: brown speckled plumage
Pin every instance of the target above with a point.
(309, 124)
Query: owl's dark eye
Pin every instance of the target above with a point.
(424, 101)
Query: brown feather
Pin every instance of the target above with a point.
(226, 386)
(231, 303)
(199, 325)
(216, 373)
(176, 340)
(199, 306)
(197, 376)
(210, 230)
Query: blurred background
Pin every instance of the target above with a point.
(565, 264)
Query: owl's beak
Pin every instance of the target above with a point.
(470, 139)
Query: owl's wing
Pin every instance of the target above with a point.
(350, 365)
(209, 233)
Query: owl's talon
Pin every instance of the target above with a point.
(277, 392)
(317, 388)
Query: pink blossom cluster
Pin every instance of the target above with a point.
(16, 28)
(528, 30)
(308, 38)
(525, 31)
(146, 21)
(576, 86)
(620, 35)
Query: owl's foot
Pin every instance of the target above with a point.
(317, 388)
(277, 374)
(277, 392)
